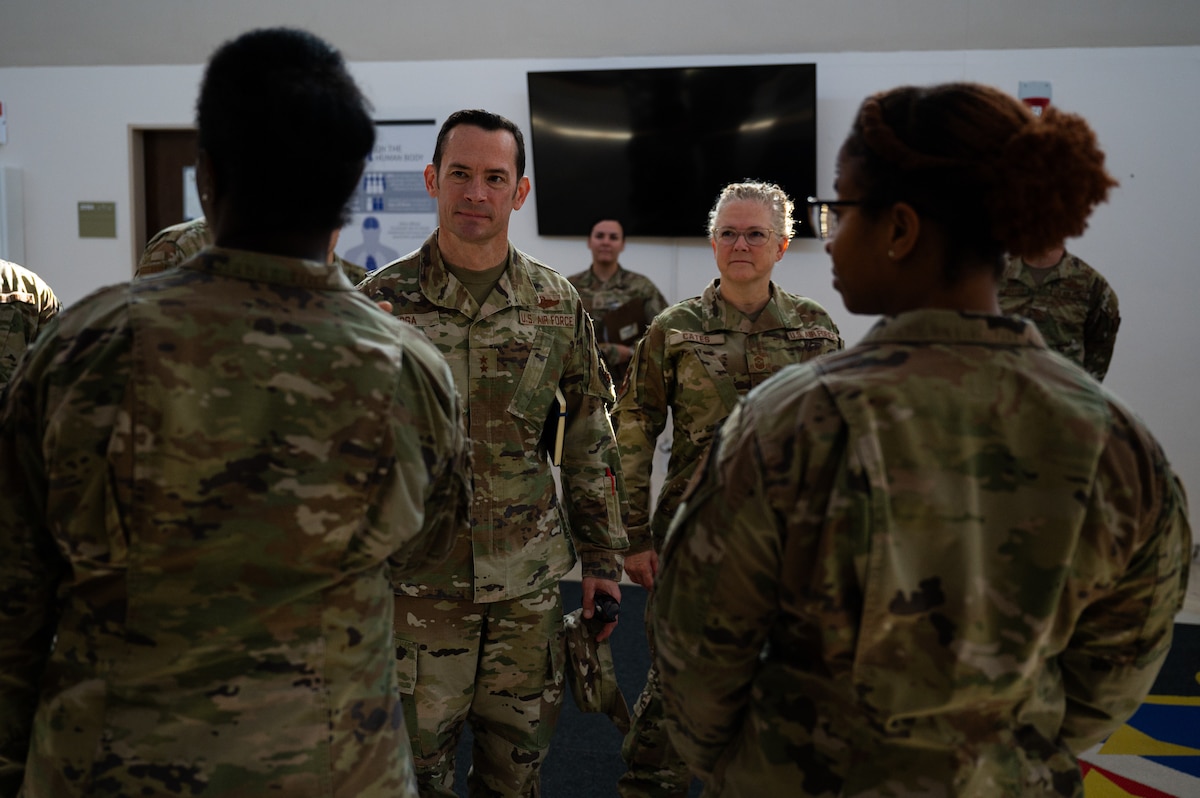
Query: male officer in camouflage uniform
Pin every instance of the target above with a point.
(621, 303)
(939, 563)
(210, 479)
(26, 305)
(1072, 304)
(480, 639)
(173, 245)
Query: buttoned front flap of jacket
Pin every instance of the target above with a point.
(529, 337)
(699, 358)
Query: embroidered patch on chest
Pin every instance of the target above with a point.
(816, 332)
(420, 319)
(547, 319)
(701, 338)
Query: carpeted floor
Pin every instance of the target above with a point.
(1157, 753)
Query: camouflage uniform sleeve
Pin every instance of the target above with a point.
(172, 246)
(640, 417)
(718, 591)
(30, 569)
(158, 257)
(431, 436)
(1144, 544)
(593, 488)
(48, 307)
(21, 321)
(1100, 333)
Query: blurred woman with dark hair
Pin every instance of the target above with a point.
(210, 477)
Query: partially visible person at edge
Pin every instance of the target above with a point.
(26, 306)
(1071, 303)
(210, 478)
(699, 358)
(173, 245)
(480, 638)
(946, 560)
(621, 303)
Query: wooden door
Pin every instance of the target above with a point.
(163, 156)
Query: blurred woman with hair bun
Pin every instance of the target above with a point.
(944, 561)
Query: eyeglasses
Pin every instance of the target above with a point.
(823, 215)
(755, 236)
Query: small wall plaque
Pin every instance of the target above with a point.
(97, 220)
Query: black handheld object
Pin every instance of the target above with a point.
(607, 607)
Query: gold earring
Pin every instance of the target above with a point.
(892, 254)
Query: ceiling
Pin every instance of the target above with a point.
(136, 32)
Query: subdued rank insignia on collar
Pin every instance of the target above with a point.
(547, 319)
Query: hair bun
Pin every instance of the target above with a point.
(1051, 175)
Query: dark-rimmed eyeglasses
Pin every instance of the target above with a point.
(755, 236)
(823, 215)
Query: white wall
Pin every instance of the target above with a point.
(69, 133)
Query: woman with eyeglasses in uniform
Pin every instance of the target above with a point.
(695, 362)
(945, 561)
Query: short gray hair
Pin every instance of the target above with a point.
(769, 195)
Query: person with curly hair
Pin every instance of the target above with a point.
(946, 560)
(693, 366)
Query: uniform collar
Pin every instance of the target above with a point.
(591, 280)
(953, 326)
(261, 267)
(718, 314)
(514, 289)
(1017, 269)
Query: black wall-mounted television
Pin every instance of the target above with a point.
(653, 147)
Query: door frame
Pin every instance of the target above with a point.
(137, 185)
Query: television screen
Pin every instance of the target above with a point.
(654, 147)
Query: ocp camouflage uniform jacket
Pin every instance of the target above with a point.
(697, 360)
(1073, 306)
(530, 337)
(26, 306)
(209, 479)
(939, 563)
(621, 289)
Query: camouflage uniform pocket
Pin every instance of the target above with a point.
(406, 664)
